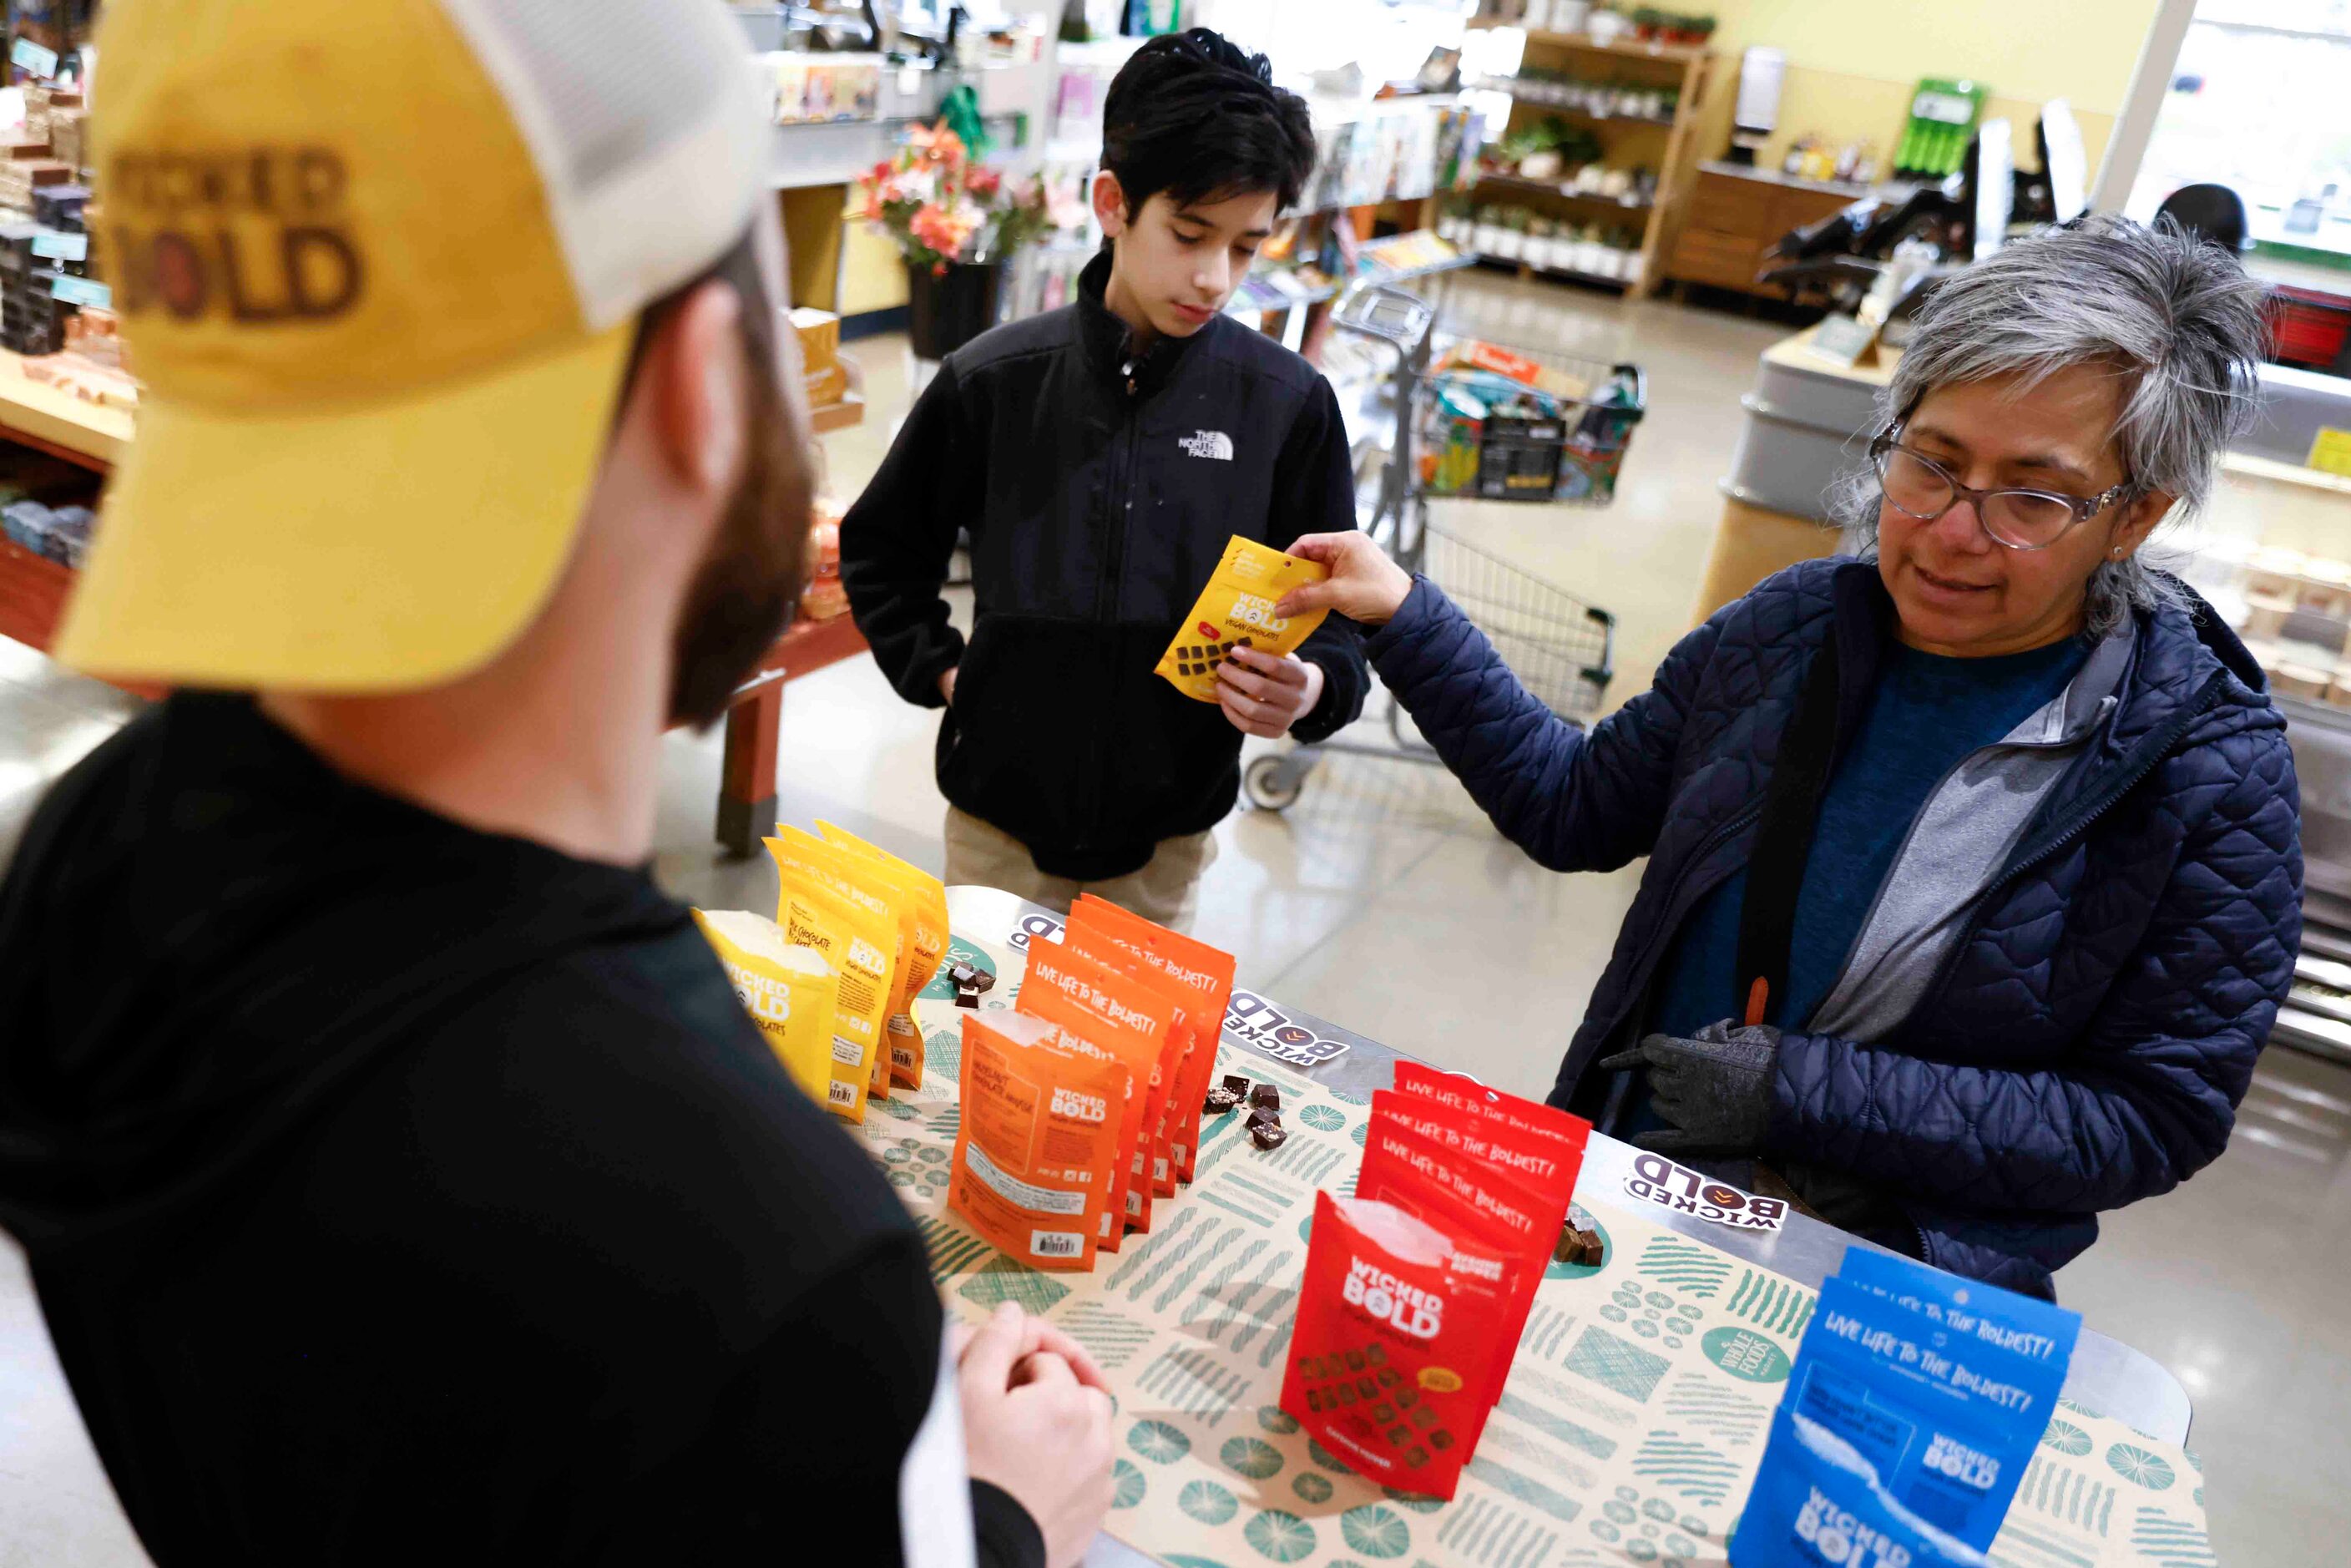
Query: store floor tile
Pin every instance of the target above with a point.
(1383, 900)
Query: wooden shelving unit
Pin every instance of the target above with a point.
(1681, 66)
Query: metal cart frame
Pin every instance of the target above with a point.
(1561, 648)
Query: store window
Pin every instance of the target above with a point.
(2256, 102)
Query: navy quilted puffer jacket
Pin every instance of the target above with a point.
(2089, 1039)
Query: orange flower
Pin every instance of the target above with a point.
(941, 229)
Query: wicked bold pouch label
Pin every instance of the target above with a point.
(1236, 610)
(1395, 1346)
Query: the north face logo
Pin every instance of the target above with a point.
(1213, 444)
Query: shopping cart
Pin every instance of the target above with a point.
(1565, 447)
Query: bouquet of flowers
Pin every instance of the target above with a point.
(942, 207)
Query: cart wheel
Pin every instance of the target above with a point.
(1274, 782)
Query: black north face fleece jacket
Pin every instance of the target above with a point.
(1100, 487)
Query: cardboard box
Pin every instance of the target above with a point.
(819, 335)
(827, 386)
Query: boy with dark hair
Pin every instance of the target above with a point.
(1101, 456)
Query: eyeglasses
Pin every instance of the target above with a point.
(1921, 487)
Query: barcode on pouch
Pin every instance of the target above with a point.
(1056, 1243)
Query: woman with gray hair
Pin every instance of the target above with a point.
(1975, 873)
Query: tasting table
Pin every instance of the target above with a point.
(2106, 1379)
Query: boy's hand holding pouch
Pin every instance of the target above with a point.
(1234, 651)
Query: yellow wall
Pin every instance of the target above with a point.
(1853, 64)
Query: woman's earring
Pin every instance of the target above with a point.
(2118, 552)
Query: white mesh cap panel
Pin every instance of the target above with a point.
(644, 121)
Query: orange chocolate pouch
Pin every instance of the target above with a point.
(1207, 974)
(1151, 1173)
(927, 901)
(1104, 1008)
(854, 877)
(1236, 610)
(1395, 1341)
(1039, 1111)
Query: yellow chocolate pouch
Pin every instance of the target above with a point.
(859, 880)
(926, 897)
(859, 941)
(791, 993)
(1236, 610)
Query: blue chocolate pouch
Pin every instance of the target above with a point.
(2040, 1331)
(1818, 1503)
(1946, 1416)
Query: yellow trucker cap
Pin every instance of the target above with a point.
(380, 266)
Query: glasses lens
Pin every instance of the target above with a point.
(2019, 518)
(1912, 484)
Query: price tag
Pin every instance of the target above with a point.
(2331, 453)
(59, 246)
(82, 291)
(35, 59)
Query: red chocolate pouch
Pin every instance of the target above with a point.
(1531, 1123)
(1532, 1165)
(1476, 1207)
(1391, 1350)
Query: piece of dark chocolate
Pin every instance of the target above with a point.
(1266, 1096)
(1576, 1246)
(1238, 1084)
(1267, 1134)
(1220, 1100)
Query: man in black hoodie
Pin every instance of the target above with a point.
(401, 1178)
(1101, 456)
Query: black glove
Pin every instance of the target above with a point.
(1716, 1089)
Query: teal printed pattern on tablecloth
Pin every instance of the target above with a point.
(2062, 1492)
(1486, 1532)
(1537, 1452)
(1557, 1427)
(1616, 1364)
(1719, 1412)
(1693, 1470)
(1128, 1486)
(1686, 1266)
(2066, 1437)
(1112, 1339)
(2171, 1543)
(1004, 1279)
(953, 1249)
(1194, 1383)
(1547, 1330)
(1770, 1302)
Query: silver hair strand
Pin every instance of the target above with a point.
(2176, 317)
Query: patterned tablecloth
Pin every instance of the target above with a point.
(1629, 1429)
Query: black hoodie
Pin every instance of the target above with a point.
(1100, 487)
(389, 1186)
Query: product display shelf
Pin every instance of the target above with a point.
(34, 589)
(1543, 269)
(1241, 307)
(1574, 115)
(1659, 216)
(1554, 188)
(1623, 46)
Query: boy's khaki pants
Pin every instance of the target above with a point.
(1166, 891)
